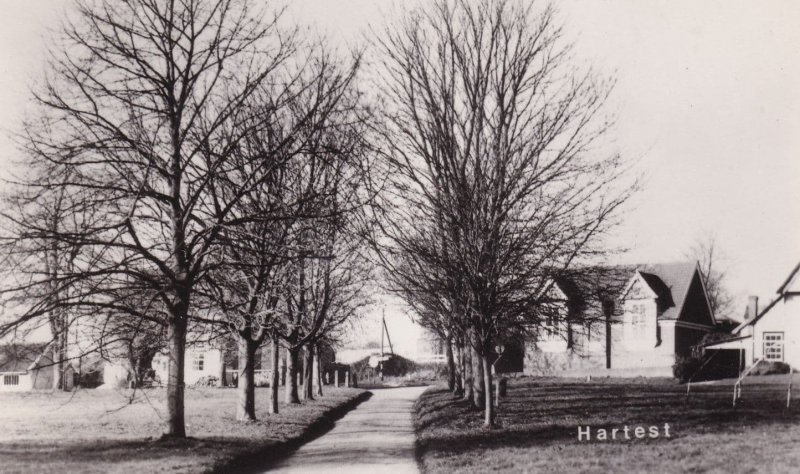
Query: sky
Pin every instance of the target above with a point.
(707, 105)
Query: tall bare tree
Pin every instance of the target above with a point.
(496, 177)
(137, 108)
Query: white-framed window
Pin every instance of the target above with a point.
(638, 321)
(198, 362)
(11, 380)
(773, 346)
(550, 325)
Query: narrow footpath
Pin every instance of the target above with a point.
(376, 437)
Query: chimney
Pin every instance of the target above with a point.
(752, 308)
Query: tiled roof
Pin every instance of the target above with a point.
(590, 286)
(670, 281)
(765, 310)
(20, 357)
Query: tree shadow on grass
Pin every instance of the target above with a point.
(263, 456)
(232, 453)
(539, 415)
(99, 453)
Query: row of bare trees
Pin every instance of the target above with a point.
(197, 164)
(497, 182)
(189, 164)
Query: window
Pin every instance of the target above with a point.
(638, 325)
(198, 363)
(638, 321)
(773, 346)
(11, 380)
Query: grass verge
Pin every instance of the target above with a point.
(539, 419)
(106, 431)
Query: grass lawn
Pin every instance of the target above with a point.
(100, 431)
(539, 420)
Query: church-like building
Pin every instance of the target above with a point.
(624, 321)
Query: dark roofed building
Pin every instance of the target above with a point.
(29, 367)
(632, 320)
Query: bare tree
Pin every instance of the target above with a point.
(37, 267)
(265, 262)
(495, 177)
(256, 257)
(327, 289)
(137, 110)
(707, 254)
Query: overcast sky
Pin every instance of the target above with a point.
(707, 99)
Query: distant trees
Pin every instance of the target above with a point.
(289, 222)
(707, 254)
(36, 259)
(495, 183)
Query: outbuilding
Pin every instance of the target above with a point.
(773, 333)
(26, 367)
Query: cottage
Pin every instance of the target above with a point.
(29, 367)
(773, 334)
(625, 321)
(200, 362)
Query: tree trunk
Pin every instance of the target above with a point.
(60, 332)
(246, 402)
(459, 372)
(451, 367)
(318, 373)
(478, 389)
(488, 412)
(221, 382)
(308, 373)
(291, 376)
(176, 335)
(275, 377)
(58, 369)
(468, 388)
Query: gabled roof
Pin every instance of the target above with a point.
(760, 315)
(781, 292)
(671, 282)
(638, 276)
(22, 357)
(563, 286)
(789, 279)
(585, 284)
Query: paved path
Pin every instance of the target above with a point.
(376, 437)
